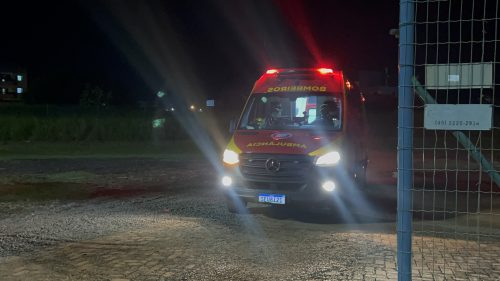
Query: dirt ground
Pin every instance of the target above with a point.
(161, 219)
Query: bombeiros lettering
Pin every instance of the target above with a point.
(309, 88)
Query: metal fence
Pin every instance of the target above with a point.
(449, 140)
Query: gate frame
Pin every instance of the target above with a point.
(405, 140)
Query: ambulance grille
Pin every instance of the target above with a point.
(293, 169)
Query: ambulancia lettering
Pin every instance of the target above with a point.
(276, 143)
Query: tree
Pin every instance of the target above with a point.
(95, 96)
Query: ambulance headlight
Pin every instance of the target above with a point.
(226, 181)
(328, 186)
(328, 159)
(230, 157)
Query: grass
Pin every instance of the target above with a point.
(75, 123)
(50, 150)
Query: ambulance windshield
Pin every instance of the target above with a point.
(292, 111)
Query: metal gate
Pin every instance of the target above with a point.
(449, 140)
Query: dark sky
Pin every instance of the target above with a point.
(193, 48)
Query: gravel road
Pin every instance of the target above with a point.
(122, 194)
(154, 219)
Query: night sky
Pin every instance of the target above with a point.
(196, 49)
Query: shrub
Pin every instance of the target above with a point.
(75, 123)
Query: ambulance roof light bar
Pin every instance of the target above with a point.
(322, 71)
(325, 71)
(272, 71)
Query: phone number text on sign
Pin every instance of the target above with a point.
(458, 117)
(455, 123)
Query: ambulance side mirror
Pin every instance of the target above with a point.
(232, 125)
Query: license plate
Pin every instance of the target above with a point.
(272, 198)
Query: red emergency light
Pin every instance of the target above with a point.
(325, 71)
(271, 71)
(300, 79)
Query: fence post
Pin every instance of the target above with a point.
(405, 140)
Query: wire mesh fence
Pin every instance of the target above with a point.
(453, 50)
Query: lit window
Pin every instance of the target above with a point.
(19, 78)
(19, 90)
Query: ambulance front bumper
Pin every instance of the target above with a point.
(317, 184)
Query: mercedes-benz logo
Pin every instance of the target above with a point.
(273, 165)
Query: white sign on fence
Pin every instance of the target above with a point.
(458, 117)
(459, 76)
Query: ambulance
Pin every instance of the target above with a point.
(299, 140)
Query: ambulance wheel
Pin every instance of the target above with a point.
(236, 205)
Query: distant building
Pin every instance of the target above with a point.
(13, 84)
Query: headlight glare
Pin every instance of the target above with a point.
(230, 157)
(328, 186)
(328, 159)
(226, 181)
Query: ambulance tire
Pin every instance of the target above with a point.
(236, 205)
